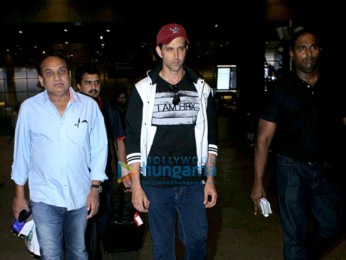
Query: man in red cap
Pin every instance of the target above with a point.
(172, 141)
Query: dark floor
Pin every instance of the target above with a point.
(234, 232)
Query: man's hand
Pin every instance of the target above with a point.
(210, 191)
(18, 204)
(257, 194)
(139, 199)
(93, 203)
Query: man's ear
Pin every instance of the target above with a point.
(41, 80)
(291, 54)
(158, 50)
(78, 86)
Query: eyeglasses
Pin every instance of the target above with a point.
(176, 98)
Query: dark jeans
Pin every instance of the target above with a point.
(12, 132)
(96, 227)
(192, 221)
(303, 187)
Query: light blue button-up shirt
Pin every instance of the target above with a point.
(60, 155)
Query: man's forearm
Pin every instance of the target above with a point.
(121, 151)
(135, 179)
(260, 160)
(19, 191)
(210, 167)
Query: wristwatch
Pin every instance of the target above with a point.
(99, 187)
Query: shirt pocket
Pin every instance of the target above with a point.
(80, 134)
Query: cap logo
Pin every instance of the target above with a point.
(174, 29)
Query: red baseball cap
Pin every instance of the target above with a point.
(169, 32)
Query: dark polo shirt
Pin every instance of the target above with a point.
(308, 119)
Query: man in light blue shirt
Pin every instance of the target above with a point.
(61, 147)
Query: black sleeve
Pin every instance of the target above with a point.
(212, 125)
(133, 123)
(118, 132)
(270, 107)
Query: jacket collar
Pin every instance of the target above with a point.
(154, 74)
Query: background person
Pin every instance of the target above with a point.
(88, 82)
(121, 103)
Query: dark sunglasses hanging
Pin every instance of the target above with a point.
(176, 98)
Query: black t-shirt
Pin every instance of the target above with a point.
(307, 119)
(174, 145)
(173, 158)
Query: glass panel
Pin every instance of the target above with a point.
(9, 72)
(2, 73)
(34, 85)
(20, 72)
(2, 97)
(32, 73)
(11, 99)
(21, 97)
(21, 85)
(3, 85)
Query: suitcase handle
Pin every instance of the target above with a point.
(122, 192)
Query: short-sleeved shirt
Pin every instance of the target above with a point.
(307, 118)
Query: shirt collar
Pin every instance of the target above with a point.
(73, 96)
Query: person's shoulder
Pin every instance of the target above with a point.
(143, 83)
(32, 103)
(150, 79)
(85, 99)
(34, 99)
(285, 82)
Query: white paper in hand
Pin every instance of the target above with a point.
(265, 207)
